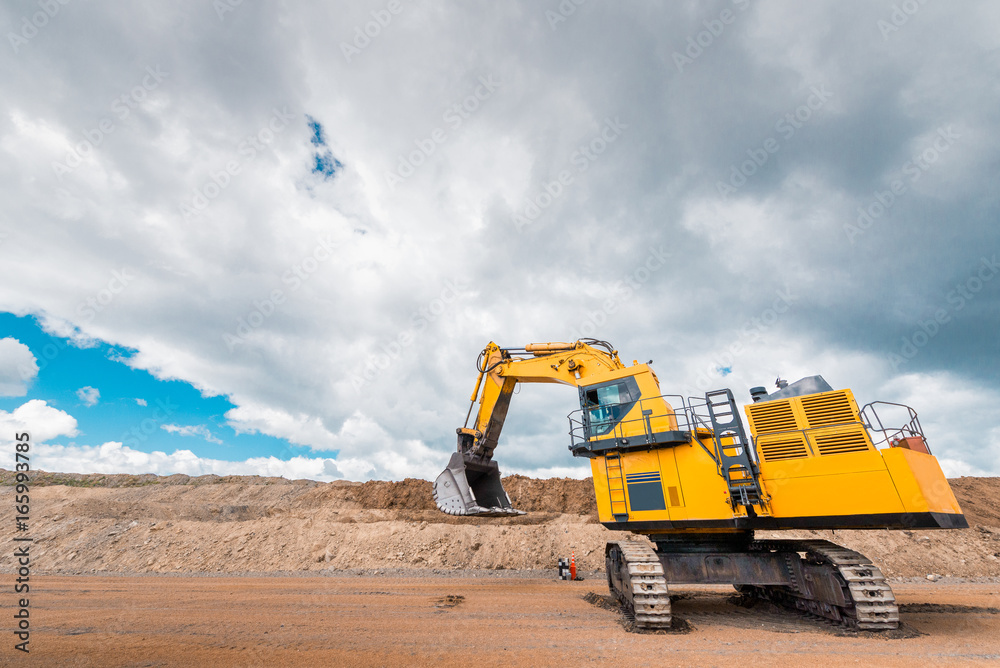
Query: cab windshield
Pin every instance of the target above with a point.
(606, 406)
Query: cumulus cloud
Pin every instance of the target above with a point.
(45, 423)
(39, 419)
(360, 439)
(299, 429)
(88, 395)
(141, 402)
(113, 457)
(285, 283)
(18, 367)
(938, 398)
(191, 430)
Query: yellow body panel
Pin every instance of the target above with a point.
(776, 474)
(705, 492)
(847, 493)
(635, 463)
(601, 489)
(671, 481)
(699, 493)
(815, 457)
(920, 482)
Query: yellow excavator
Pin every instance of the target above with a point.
(683, 472)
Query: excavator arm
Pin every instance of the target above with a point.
(471, 483)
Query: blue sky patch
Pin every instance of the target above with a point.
(327, 165)
(317, 131)
(324, 163)
(114, 402)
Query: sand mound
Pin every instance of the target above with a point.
(122, 523)
(410, 494)
(980, 500)
(555, 495)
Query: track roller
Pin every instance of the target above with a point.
(842, 585)
(635, 578)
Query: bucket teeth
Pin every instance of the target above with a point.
(472, 488)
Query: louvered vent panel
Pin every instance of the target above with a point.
(779, 449)
(769, 417)
(841, 443)
(828, 409)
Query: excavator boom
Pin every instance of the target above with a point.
(470, 485)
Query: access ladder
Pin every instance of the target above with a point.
(735, 463)
(616, 487)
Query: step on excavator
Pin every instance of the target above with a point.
(684, 473)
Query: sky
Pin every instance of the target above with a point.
(272, 238)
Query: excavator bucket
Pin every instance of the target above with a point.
(470, 488)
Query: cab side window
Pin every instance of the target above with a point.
(605, 406)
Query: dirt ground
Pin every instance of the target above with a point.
(247, 571)
(469, 621)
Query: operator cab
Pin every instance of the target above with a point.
(605, 405)
(626, 412)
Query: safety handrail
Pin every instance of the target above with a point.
(683, 414)
(891, 434)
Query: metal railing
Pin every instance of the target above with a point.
(690, 414)
(891, 435)
(654, 418)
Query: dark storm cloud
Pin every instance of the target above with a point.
(751, 144)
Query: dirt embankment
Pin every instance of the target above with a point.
(980, 500)
(233, 524)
